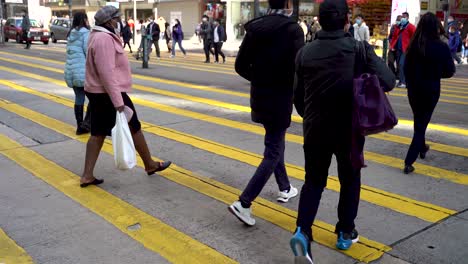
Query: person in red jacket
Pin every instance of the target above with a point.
(400, 41)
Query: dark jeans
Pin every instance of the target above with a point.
(273, 162)
(218, 51)
(400, 58)
(156, 44)
(422, 107)
(455, 57)
(169, 48)
(391, 62)
(127, 43)
(207, 44)
(174, 42)
(79, 95)
(317, 162)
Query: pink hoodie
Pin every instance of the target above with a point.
(107, 67)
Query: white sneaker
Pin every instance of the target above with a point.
(243, 214)
(285, 196)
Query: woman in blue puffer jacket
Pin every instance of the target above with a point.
(77, 48)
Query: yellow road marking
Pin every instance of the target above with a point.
(11, 253)
(440, 100)
(366, 250)
(136, 76)
(154, 234)
(296, 119)
(424, 211)
(445, 94)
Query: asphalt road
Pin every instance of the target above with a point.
(197, 115)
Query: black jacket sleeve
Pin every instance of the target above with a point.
(243, 61)
(377, 66)
(299, 88)
(446, 62)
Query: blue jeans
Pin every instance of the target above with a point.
(174, 42)
(79, 95)
(273, 162)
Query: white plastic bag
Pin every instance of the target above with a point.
(122, 142)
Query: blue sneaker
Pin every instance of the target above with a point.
(300, 245)
(346, 240)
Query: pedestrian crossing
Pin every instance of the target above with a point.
(10, 252)
(167, 241)
(422, 169)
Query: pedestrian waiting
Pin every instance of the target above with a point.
(108, 80)
(428, 60)
(269, 66)
(323, 96)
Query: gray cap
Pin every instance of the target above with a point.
(105, 14)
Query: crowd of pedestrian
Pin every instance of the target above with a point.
(317, 78)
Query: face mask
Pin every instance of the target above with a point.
(358, 21)
(204, 20)
(398, 23)
(403, 21)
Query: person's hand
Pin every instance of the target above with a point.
(120, 108)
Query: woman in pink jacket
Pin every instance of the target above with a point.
(108, 79)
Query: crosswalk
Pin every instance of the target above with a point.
(224, 125)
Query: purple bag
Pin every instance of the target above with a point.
(371, 109)
(372, 112)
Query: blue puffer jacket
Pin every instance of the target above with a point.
(77, 49)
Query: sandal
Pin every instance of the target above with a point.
(162, 166)
(95, 182)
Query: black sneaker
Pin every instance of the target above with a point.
(423, 153)
(408, 169)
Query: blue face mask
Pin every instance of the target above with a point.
(398, 23)
(358, 21)
(404, 21)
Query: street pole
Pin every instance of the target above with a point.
(295, 5)
(70, 12)
(256, 8)
(135, 20)
(445, 8)
(2, 39)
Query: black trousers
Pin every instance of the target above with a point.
(392, 61)
(156, 44)
(127, 43)
(423, 108)
(207, 44)
(318, 158)
(273, 162)
(218, 51)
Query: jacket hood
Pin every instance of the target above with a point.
(77, 34)
(266, 25)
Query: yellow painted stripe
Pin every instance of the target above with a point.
(153, 234)
(405, 205)
(366, 250)
(296, 119)
(440, 100)
(10, 252)
(136, 76)
(453, 89)
(443, 93)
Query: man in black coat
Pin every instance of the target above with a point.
(219, 37)
(266, 59)
(155, 31)
(207, 34)
(323, 96)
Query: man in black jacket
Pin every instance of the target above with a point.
(219, 37)
(155, 32)
(266, 59)
(323, 96)
(207, 34)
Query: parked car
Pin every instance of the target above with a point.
(12, 30)
(59, 29)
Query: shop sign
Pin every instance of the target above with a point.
(424, 5)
